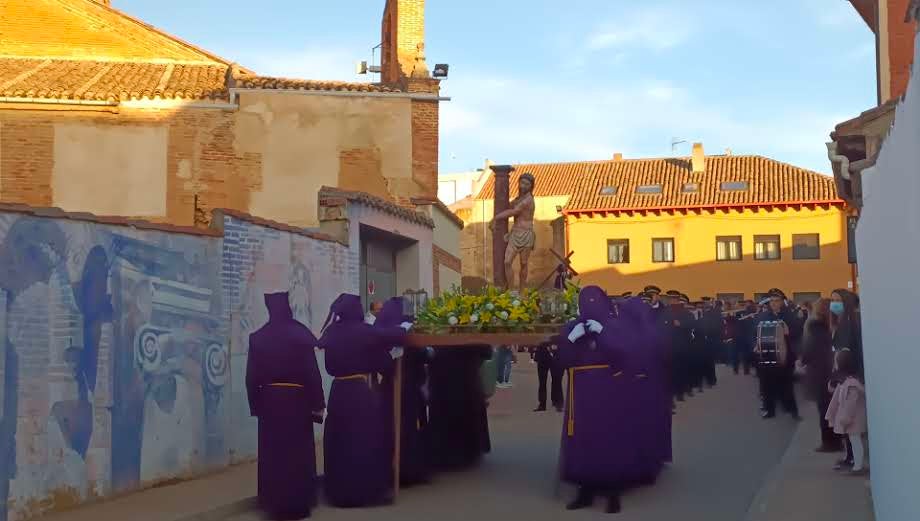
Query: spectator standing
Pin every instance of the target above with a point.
(818, 360)
(545, 357)
(847, 410)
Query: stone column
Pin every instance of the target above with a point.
(502, 174)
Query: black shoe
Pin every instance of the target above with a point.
(767, 415)
(540, 408)
(796, 417)
(582, 500)
(558, 407)
(613, 504)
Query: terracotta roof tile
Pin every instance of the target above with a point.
(768, 181)
(329, 195)
(855, 125)
(110, 81)
(447, 212)
(251, 81)
(81, 29)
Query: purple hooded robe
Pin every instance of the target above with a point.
(413, 464)
(358, 454)
(284, 387)
(458, 424)
(601, 447)
(646, 366)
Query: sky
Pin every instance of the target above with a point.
(543, 80)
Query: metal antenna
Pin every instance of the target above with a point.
(676, 141)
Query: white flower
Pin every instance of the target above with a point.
(474, 318)
(452, 320)
(503, 315)
(516, 303)
(490, 306)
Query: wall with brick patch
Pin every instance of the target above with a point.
(308, 141)
(137, 162)
(257, 260)
(123, 347)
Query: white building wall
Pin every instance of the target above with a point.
(888, 242)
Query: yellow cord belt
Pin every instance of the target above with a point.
(354, 377)
(572, 371)
(283, 384)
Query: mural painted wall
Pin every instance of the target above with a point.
(259, 260)
(114, 365)
(124, 350)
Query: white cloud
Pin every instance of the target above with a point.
(657, 28)
(531, 121)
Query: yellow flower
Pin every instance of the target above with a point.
(464, 319)
(486, 317)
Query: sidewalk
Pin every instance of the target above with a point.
(804, 487)
(209, 498)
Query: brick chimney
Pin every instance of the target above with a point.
(698, 159)
(618, 157)
(403, 66)
(403, 41)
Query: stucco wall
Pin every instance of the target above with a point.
(696, 271)
(446, 232)
(888, 243)
(306, 142)
(267, 158)
(124, 350)
(110, 170)
(414, 263)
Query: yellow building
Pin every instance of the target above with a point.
(727, 226)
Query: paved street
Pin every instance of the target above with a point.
(723, 454)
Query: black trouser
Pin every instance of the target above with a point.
(547, 368)
(828, 437)
(777, 385)
(713, 354)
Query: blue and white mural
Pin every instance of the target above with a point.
(115, 360)
(124, 350)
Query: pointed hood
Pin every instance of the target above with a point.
(593, 304)
(392, 313)
(279, 306)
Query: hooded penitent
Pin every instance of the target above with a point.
(285, 389)
(647, 364)
(601, 448)
(413, 466)
(357, 451)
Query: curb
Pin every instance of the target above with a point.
(224, 511)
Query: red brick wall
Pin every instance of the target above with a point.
(425, 116)
(201, 158)
(403, 30)
(26, 160)
(901, 36)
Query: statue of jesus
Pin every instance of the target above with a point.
(521, 239)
